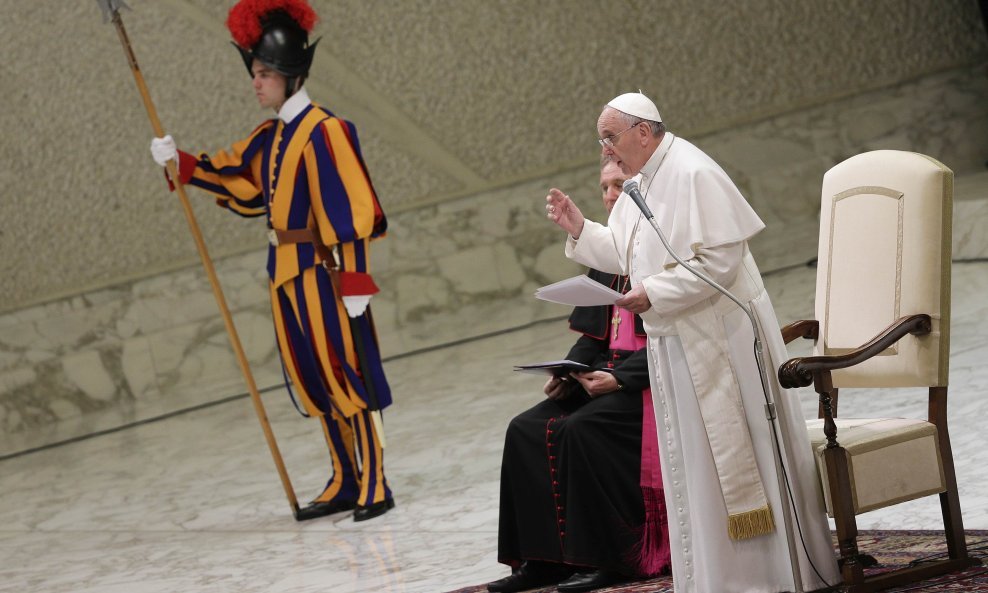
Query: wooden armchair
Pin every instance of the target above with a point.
(883, 320)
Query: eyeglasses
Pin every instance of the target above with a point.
(609, 141)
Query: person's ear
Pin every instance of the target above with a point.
(644, 131)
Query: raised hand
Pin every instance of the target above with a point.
(562, 211)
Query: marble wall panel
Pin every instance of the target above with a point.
(970, 216)
(138, 350)
(455, 269)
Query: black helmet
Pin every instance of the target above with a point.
(276, 33)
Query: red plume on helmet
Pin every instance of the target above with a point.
(276, 33)
(246, 18)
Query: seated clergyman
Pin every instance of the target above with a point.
(581, 489)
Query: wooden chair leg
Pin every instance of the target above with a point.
(953, 523)
(852, 572)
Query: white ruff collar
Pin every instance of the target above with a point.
(295, 105)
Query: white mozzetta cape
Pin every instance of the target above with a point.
(695, 204)
(708, 223)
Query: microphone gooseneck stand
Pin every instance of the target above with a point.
(631, 188)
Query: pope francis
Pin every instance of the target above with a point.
(726, 527)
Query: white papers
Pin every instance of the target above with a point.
(578, 291)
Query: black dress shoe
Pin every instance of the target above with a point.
(588, 581)
(531, 575)
(373, 510)
(321, 509)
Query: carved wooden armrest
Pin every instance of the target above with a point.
(798, 372)
(806, 328)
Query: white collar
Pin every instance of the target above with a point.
(653, 162)
(295, 105)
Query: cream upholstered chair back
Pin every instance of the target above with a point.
(884, 253)
(882, 320)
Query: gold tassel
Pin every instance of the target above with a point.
(750, 523)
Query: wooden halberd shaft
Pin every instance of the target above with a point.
(207, 263)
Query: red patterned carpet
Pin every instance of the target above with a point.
(892, 549)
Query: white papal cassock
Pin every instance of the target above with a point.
(708, 223)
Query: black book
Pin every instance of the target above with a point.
(557, 368)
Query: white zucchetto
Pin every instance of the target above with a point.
(637, 105)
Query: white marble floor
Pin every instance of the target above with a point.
(192, 502)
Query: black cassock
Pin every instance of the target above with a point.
(570, 475)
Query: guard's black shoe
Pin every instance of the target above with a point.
(531, 575)
(588, 581)
(321, 509)
(373, 510)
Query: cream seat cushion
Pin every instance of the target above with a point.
(890, 460)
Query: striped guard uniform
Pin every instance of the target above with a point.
(304, 170)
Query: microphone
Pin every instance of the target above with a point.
(631, 188)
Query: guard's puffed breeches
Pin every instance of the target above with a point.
(316, 344)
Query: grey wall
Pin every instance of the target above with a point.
(468, 112)
(452, 98)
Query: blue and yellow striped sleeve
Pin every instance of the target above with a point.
(233, 176)
(344, 204)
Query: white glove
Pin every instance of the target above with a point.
(163, 150)
(356, 305)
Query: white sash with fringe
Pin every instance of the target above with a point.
(701, 331)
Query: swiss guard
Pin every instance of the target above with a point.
(304, 173)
